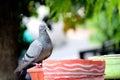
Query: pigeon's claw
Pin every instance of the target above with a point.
(38, 65)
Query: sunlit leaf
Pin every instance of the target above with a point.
(98, 6)
(119, 8)
(102, 15)
(58, 7)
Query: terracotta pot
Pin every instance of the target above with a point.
(36, 73)
(77, 69)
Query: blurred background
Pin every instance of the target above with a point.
(77, 28)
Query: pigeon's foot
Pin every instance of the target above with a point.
(37, 65)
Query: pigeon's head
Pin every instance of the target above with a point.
(43, 27)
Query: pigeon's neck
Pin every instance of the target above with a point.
(41, 39)
(42, 36)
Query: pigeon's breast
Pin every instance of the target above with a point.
(46, 51)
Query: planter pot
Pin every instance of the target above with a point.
(112, 70)
(36, 73)
(77, 69)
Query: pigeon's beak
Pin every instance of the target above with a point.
(44, 26)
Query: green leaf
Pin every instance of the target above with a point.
(58, 7)
(109, 10)
(119, 8)
(98, 6)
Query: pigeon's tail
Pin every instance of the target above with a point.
(20, 68)
(17, 70)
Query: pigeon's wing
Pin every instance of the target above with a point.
(33, 51)
(31, 55)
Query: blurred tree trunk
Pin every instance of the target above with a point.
(8, 40)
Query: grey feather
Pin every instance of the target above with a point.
(38, 50)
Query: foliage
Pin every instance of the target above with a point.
(106, 20)
(57, 7)
(103, 14)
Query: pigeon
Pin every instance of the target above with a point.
(39, 50)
